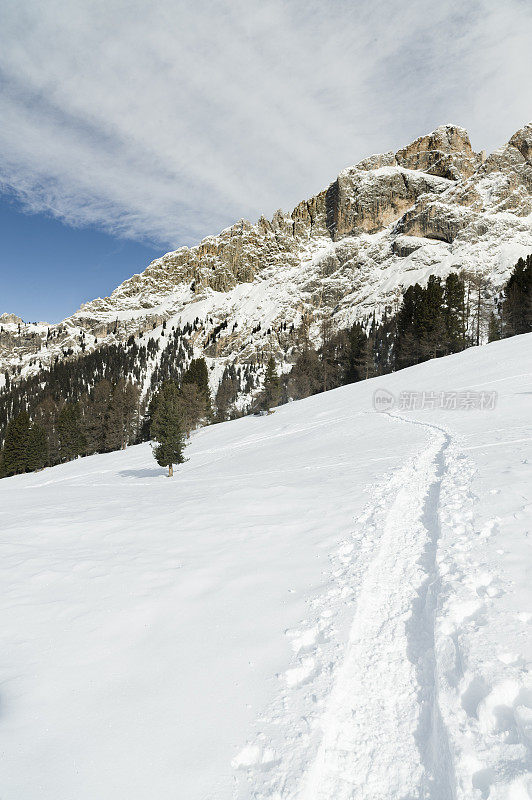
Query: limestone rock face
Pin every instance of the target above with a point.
(347, 252)
(369, 201)
(446, 152)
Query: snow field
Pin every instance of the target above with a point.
(324, 603)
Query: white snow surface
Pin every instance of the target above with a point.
(325, 603)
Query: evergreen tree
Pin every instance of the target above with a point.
(46, 415)
(15, 451)
(37, 452)
(356, 353)
(95, 416)
(494, 328)
(192, 407)
(364, 362)
(408, 329)
(454, 313)
(122, 415)
(517, 303)
(72, 442)
(226, 394)
(198, 373)
(271, 392)
(166, 429)
(431, 319)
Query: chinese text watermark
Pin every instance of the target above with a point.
(383, 400)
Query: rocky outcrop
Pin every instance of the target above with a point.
(365, 198)
(10, 319)
(350, 250)
(369, 201)
(446, 152)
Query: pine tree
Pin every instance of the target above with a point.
(72, 442)
(95, 416)
(494, 328)
(47, 414)
(122, 415)
(431, 319)
(15, 451)
(517, 304)
(192, 407)
(226, 394)
(271, 392)
(454, 313)
(166, 429)
(198, 374)
(305, 378)
(364, 362)
(356, 351)
(409, 329)
(37, 452)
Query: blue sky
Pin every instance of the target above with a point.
(48, 269)
(125, 122)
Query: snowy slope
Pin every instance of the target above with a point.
(329, 602)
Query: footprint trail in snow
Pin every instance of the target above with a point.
(370, 714)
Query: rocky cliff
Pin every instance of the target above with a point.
(349, 251)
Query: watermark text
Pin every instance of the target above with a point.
(384, 400)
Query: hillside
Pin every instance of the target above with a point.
(327, 602)
(435, 206)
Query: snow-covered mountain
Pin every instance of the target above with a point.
(323, 604)
(392, 219)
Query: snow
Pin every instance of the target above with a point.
(327, 602)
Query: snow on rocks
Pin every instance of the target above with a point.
(351, 250)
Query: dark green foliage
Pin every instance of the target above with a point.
(357, 354)
(494, 328)
(271, 392)
(227, 393)
(122, 415)
(431, 321)
(72, 441)
(95, 416)
(198, 373)
(517, 303)
(15, 451)
(37, 454)
(192, 407)
(454, 313)
(305, 377)
(166, 429)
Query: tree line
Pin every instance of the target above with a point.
(443, 317)
(93, 404)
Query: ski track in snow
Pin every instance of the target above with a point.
(391, 712)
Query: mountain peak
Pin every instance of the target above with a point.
(350, 251)
(522, 140)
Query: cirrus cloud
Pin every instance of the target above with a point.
(169, 121)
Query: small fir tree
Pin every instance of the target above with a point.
(166, 429)
(272, 391)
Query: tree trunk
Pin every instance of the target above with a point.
(170, 470)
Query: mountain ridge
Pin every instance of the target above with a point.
(347, 252)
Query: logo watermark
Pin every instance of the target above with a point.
(384, 400)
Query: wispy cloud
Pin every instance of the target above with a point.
(170, 120)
